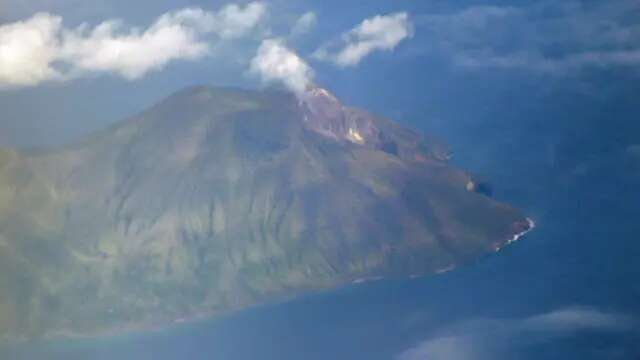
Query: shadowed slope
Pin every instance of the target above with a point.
(218, 199)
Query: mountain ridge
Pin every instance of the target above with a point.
(217, 199)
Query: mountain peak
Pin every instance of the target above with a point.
(326, 115)
(218, 199)
(317, 92)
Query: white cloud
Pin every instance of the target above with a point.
(305, 23)
(535, 60)
(132, 53)
(548, 36)
(444, 348)
(235, 21)
(379, 33)
(572, 319)
(484, 339)
(274, 62)
(40, 49)
(27, 50)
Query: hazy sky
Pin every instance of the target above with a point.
(68, 67)
(466, 69)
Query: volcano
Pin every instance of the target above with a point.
(217, 199)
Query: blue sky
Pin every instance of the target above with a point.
(396, 51)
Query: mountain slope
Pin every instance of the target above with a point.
(218, 199)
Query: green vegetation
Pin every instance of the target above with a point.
(214, 200)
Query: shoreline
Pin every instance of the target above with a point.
(517, 236)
